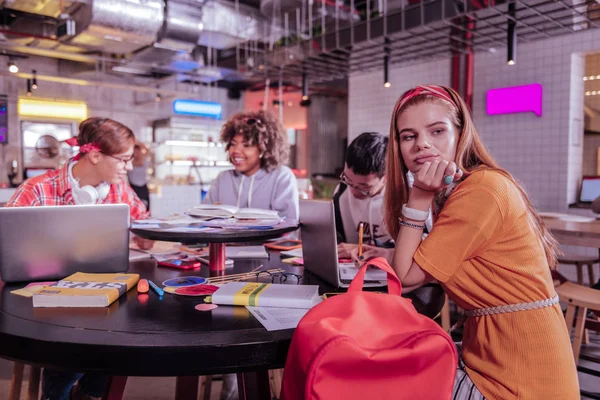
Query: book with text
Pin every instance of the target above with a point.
(226, 211)
(267, 295)
(85, 290)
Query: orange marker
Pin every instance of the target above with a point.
(142, 286)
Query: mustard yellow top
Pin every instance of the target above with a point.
(485, 253)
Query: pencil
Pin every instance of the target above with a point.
(360, 239)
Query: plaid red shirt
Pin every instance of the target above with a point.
(54, 189)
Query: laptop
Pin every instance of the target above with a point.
(590, 189)
(319, 247)
(52, 242)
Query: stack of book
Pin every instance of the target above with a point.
(85, 290)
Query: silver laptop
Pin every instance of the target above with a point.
(52, 242)
(319, 246)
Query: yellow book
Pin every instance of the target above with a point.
(85, 290)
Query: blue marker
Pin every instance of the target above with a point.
(158, 290)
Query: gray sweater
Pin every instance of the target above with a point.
(274, 190)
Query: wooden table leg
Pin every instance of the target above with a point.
(116, 388)
(254, 385)
(216, 256)
(16, 381)
(186, 388)
(33, 392)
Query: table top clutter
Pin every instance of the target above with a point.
(151, 335)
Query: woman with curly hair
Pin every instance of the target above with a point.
(258, 147)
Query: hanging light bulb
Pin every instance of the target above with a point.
(34, 85)
(386, 64)
(511, 49)
(28, 87)
(158, 97)
(304, 87)
(12, 67)
(386, 71)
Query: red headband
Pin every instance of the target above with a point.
(430, 90)
(86, 148)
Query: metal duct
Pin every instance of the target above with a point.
(118, 26)
(223, 27)
(182, 27)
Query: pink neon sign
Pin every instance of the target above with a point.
(515, 99)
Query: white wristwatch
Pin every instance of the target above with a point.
(415, 215)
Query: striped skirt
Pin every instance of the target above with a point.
(464, 388)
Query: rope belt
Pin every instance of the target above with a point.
(480, 312)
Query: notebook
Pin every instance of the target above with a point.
(85, 290)
(267, 295)
(226, 211)
(246, 252)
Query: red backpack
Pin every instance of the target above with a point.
(365, 345)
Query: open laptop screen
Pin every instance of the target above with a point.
(590, 189)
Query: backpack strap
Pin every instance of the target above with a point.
(394, 285)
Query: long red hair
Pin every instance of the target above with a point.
(471, 155)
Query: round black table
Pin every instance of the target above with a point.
(216, 238)
(147, 335)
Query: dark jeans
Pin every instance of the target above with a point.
(57, 385)
(143, 193)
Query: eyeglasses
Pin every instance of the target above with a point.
(123, 160)
(282, 277)
(344, 180)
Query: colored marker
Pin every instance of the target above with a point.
(158, 290)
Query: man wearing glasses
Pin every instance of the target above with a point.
(359, 196)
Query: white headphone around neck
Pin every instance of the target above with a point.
(87, 194)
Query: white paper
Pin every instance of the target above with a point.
(145, 226)
(137, 255)
(186, 229)
(349, 271)
(147, 221)
(166, 221)
(246, 252)
(274, 319)
(292, 253)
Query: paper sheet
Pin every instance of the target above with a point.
(274, 319)
(292, 253)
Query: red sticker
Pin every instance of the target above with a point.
(196, 290)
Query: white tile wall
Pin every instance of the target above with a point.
(539, 151)
(370, 105)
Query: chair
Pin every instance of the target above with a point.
(580, 262)
(586, 299)
(17, 381)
